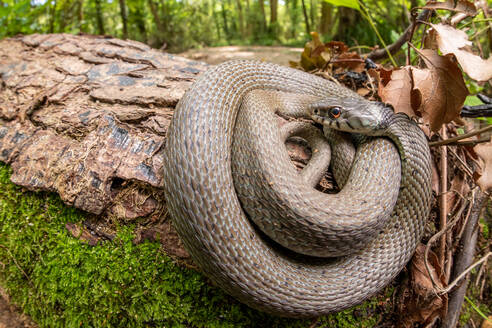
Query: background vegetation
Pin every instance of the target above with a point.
(181, 24)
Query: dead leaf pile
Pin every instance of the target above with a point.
(333, 57)
(484, 151)
(420, 302)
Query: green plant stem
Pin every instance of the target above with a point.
(476, 21)
(367, 16)
(477, 309)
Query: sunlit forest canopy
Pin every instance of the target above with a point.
(181, 24)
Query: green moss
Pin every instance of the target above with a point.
(485, 228)
(62, 282)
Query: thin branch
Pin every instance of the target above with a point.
(432, 241)
(443, 201)
(463, 136)
(470, 142)
(394, 47)
(464, 273)
(463, 260)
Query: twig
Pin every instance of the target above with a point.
(464, 273)
(465, 221)
(432, 241)
(443, 202)
(394, 47)
(463, 136)
(463, 260)
(18, 266)
(470, 142)
(465, 167)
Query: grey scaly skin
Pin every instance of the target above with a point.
(208, 216)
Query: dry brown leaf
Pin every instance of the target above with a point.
(397, 91)
(458, 188)
(454, 41)
(422, 305)
(350, 61)
(484, 151)
(487, 323)
(82, 234)
(442, 88)
(462, 6)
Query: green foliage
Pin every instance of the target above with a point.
(345, 3)
(180, 25)
(62, 282)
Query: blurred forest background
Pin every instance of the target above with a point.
(177, 25)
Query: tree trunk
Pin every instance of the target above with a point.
(312, 13)
(263, 14)
(273, 16)
(52, 9)
(294, 16)
(241, 18)
(80, 15)
(224, 18)
(99, 18)
(124, 18)
(326, 17)
(306, 18)
(216, 20)
(138, 15)
(347, 19)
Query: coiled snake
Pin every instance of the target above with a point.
(373, 242)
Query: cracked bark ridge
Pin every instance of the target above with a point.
(87, 116)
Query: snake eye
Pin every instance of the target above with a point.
(335, 112)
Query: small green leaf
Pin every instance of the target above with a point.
(472, 101)
(345, 3)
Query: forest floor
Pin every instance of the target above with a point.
(216, 55)
(10, 316)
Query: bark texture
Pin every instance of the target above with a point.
(87, 116)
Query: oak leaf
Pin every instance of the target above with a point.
(461, 6)
(421, 305)
(484, 151)
(398, 90)
(442, 89)
(454, 41)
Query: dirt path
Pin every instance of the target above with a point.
(215, 55)
(10, 316)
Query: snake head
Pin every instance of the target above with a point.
(351, 114)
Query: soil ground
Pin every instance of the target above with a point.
(216, 55)
(10, 316)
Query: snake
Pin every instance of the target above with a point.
(285, 276)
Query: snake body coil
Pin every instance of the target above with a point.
(208, 216)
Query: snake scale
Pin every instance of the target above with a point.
(215, 229)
